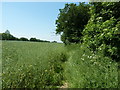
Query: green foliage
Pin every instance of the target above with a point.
(7, 36)
(85, 69)
(48, 65)
(71, 21)
(37, 40)
(33, 39)
(101, 32)
(32, 65)
(54, 41)
(106, 10)
(87, 65)
(23, 39)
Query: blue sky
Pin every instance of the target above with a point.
(31, 19)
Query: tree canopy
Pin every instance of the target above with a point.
(96, 24)
(71, 22)
(7, 36)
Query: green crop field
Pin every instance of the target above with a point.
(31, 64)
(50, 65)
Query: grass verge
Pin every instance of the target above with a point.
(85, 69)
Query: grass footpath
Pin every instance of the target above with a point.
(85, 69)
(53, 65)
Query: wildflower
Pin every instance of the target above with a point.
(90, 57)
(95, 63)
(83, 54)
(82, 59)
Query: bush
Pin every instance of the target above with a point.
(102, 31)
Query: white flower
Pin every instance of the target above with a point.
(82, 59)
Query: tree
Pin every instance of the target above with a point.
(71, 22)
(33, 39)
(23, 39)
(7, 32)
(54, 41)
(7, 36)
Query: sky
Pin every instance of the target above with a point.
(31, 19)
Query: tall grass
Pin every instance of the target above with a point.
(85, 69)
(46, 65)
(32, 65)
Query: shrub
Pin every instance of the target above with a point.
(102, 31)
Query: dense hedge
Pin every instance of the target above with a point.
(102, 31)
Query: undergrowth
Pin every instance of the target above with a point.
(84, 69)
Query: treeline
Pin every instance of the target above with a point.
(96, 24)
(8, 36)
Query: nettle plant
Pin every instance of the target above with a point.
(103, 36)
